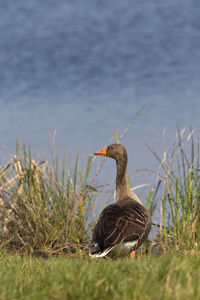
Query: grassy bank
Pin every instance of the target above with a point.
(165, 277)
(46, 210)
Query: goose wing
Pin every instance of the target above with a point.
(123, 221)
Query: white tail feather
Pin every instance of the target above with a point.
(101, 254)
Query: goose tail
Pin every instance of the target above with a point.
(96, 251)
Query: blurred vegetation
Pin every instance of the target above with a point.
(165, 277)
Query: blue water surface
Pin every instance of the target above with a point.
(85, 67)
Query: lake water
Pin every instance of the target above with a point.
(86, 67)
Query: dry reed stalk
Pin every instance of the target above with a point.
(11, 178)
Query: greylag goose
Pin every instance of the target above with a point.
(126, 223)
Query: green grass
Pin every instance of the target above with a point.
(47, 208)
(178, 185)
(44, 204)
(164, 277)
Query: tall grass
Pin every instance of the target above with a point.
(43, 210)
(178, 178)
(45, 206)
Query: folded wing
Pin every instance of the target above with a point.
(124, 221)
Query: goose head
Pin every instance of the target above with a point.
(115, 151)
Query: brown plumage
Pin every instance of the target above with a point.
(125, 223)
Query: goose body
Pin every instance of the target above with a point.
(123, 226)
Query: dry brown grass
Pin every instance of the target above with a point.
(41, 209)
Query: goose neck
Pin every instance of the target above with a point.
(121, 171)
(121, 183)
(122, 189)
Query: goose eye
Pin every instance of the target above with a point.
(111, 147)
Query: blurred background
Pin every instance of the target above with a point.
(86, 67)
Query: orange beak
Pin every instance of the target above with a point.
(101, 152)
